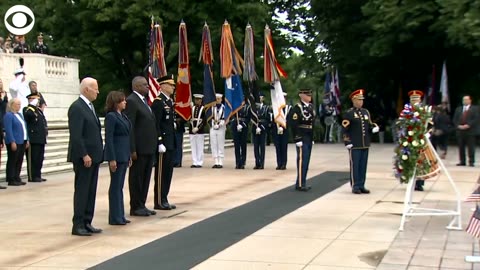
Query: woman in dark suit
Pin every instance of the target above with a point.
(16, 139)
(117, 153)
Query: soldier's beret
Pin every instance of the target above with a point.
(358, 94)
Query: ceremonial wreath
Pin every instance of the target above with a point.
(411, 129)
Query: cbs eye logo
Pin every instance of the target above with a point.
(19, 20)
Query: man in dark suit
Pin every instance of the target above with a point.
(85, 151)
(143, 145)
(164, 110)
(37, 134)
(465, 121)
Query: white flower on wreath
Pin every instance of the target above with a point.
(400, 167)
(415, 143)
(405, 143)
(410, 133)
(404, 157)
(416, 114)
(422, 142)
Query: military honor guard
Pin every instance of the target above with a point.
(164, 111)
(301, 121)
(197, 131)
(260, 133)
(357, 126)
(280, 139)
(217, 132)
(239, 126)
(37, 133)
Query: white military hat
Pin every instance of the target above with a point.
(218, 95)
(197, 95)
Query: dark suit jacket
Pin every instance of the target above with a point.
(117, 137)
(165, 118)
(85, 133)
(471, 119)
(143, 138)
(13, 129)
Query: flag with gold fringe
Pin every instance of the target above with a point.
(249, 73)
(272, 74)
(157, 66)
(231, 64)
(206, 57)
(183, 95)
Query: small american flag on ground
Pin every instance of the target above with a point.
(475, 196)
(473, 227)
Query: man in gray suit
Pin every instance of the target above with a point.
(143, 146)
(85, 151)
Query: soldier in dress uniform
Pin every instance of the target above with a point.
(302, 117)
(280, 139)
(39, 46)
(260, 133)
(22, 46)
(217, 132)
(37, 134)
(164, 111)
(357, 125)
(239, 125)
(197, 131)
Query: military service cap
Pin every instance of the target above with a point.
(415, 93)
(306, 91)
(357, 94)
(33, 95)
(198, 96)
(166, 79)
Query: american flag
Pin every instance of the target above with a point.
(153, 87)
(473, 227)
(475, 196)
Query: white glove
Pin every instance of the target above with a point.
(174, 125)
(195, 130)
(258, 130)
(239, 127)
(375, 129)
(280, 130)
(215, 126)
(161, 148)
(222, 123)
(299, 144)
(349, 146)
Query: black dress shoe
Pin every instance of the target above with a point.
(242, 167)
(80, 232)
(164, 207)
(460, 164)
(173, 206)
(284, 167)
(278, 168)
(92, 229)
(117, 223)
(151, 212)
(22, 183)
(365, 191)
(304, 189)
(36, 180)
(3, 187)
(126, 221)
(220, 166)
(237, 167)
(471, 165)
(418, 188)
(14, 183)
(139, 213)
(215, 166)
(193, 166)
(356, 191)
(43, 179)
(256, 167)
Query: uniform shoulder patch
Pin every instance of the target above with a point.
(295, 116)
(345, 123)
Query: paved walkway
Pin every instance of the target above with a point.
(337, 231)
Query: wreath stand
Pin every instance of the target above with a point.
(409, 210)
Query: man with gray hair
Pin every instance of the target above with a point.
(85, 151)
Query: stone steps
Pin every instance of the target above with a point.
(57, 148)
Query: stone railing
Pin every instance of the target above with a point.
(57, 78)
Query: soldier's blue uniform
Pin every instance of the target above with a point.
(240, 136)
(357, 126)
(280, 140)
(259, 140)
(301, 121)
